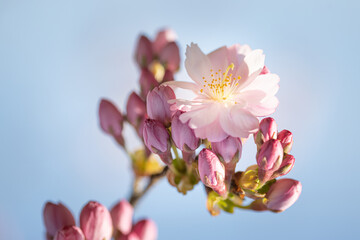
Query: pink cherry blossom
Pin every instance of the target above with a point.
(230, 93)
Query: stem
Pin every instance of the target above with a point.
(242, 207)
(137, 195)
(175, 151)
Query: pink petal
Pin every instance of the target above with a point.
(267, 83)
(143, 53)
(266, 107)
(236, 55)
(197, 64)
(219, 59)
(255, 61)
(201, 117)
(213, 132)
(184, 85)
(163, 37)
(238, 122)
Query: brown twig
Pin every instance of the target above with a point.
(137, 195)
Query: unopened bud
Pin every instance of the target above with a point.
(147, 82)
(146, 229)
(229, 150)
(111, 120)
(95, 221)
(267, 131)
(212, 171)
(56, 216)
(143, 52)
(121, 215)
(282, 194)
(285, 167)
(157, 139)
(135, 110)
(69, 233)
(163, 38)
(269, 159)
(286, 139)
(157, 104)
(170, 56)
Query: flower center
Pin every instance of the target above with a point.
(220, 85)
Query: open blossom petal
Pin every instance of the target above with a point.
(230, 92)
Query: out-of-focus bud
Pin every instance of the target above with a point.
(157, 104)
(267, 131)
(56, 216)
(285, 167)
(69, 233)
(146, 229)
(170, 57)
(145, 164)
(131, 236)
(265, 70)
(283, 194)
(269, 159)
(168, 76)
(147, 82)
(157, 139)
(121, 215)
(95, 222)
(258, 205)
(111, 120)
(162, 39)
(135, 109)
(184, 137)
(286, 139)
(212, 171)
(229, 150)
(143, 52)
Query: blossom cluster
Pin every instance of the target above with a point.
(200, 138)
(194, 138)
(96, 223)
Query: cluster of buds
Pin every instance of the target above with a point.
(96, 223)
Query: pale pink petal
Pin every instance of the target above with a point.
(197, 64)
(213, 132)
(201, 117)
(267, 83)
(184, 85)
(266, 107)
(255, 61)
(238, 122)
(169, 56)
(219, 59)
(236, 55)
(162, 38)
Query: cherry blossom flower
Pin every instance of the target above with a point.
(231, 89)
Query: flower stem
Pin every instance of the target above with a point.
(137, 195)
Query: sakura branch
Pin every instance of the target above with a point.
(192, 140)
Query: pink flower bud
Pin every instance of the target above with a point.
(282, 194)
(95, 222)
(163, 38)
(131, 236)
(147, 82)
(157, 104)
(229, 149)
(269, 159)
(265, 70)
(69, 233)
(157, 139)
(111, 120)
(56, 216)
(146, 229)
(168, 76)
(182, 135)
(211, 171)
(121, 215)
(268, 129)
(285, 167)
(170, 57)
(143, 52)
(135, 110)
(286, 139)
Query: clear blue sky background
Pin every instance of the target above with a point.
(58, 58)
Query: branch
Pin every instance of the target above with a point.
(137, 195)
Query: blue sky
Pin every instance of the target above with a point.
(57, 59)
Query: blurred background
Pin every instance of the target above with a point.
(58, 58)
